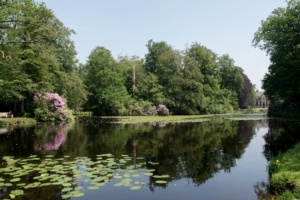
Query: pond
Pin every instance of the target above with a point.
(95, 159)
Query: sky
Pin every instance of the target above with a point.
(125, 26)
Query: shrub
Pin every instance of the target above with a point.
(51, 107)
(162, 110)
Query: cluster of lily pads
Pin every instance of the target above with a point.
(73, 177)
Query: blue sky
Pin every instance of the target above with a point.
(125, 26)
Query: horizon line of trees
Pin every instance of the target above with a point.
(38, 56)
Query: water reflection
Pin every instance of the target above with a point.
(49, 137)
(192, 151)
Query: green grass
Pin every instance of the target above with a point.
(179, 118)
(17, 120)
(285, 173)
(165, 119)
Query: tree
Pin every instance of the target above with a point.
(106, 84)
(231, 79)
(38, 55)
(207, 63)
(165, 63)
(279, 37)
(247, 95)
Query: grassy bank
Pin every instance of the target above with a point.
(285, 174)
(162, 119)
(17, 120)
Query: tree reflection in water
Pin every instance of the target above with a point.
(195, 151)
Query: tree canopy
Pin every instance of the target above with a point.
(279, 37)
(37, 55)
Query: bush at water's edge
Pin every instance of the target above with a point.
(284, 171)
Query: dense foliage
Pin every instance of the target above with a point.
(194, 81)
(51, 107)
(38, 56)
(279, 37)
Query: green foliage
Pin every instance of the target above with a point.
(279, 37)
(285, 173)
(246, 96)
(106, 84)
(143, 108)
(36, 55)
(51, 107)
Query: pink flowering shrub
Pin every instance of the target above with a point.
(51, 107)
(162, 110)
(146, 109)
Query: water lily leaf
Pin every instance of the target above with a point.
(45, 184)
(17, 192)
(148, 173)
(67, 189)
(136, 175)
(15, 180)
(66, 196)
(93, 188)
(77, 194)
(118, 184)
(12, 196)
(161, 182)
(99, 184)
(135, 187)
(118, 176)
(66, 184)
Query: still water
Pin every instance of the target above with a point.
(216, 159)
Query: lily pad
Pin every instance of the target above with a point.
(135, 187)
(15, 180)
(161, 182)
(93, 188)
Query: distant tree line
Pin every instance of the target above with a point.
(38, 56)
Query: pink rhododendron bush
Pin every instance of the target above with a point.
(51, 107)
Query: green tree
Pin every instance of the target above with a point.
(279, 37)
(106, 84)
(38, 55)
(165, 63)
(246, 96)
(231, 79)
(206, 60)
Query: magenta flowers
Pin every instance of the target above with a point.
(50, 107)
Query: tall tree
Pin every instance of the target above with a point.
(164, 62)
(207, 63)
(231, 79)
(247, 95)
(39, 55)
(106, 84)
(279, 37)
